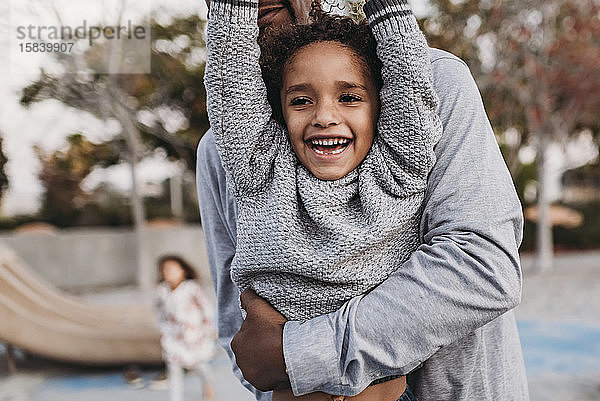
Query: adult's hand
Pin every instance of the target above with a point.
(258, 345)
(280, 12)
(300, 10)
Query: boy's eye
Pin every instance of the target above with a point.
(300, 101)
(349, 98)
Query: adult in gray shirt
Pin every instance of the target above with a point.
(445, 313)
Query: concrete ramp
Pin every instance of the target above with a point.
(41, 319)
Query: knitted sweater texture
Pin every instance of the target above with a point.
(307, 245)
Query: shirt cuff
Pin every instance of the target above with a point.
(389, 17)
(310, 355)
(234, 10)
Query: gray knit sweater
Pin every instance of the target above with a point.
(304, 244)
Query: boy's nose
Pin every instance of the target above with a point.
(325, 115)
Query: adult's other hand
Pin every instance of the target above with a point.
(258, 345)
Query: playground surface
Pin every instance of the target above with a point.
(559, 324)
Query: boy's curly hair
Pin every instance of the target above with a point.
(279, 44)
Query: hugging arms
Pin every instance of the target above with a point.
(461, 284)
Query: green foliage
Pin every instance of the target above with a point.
(65, 204)
(586, 236)
(105, 208)
(176, 82)
(159, 207)
(11, 222)
(62, 174)
(526, 174)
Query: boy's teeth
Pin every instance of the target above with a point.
(333, 152)
(329, 142)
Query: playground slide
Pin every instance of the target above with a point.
(38, 318)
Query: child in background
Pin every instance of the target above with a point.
(184, 318)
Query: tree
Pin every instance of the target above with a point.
(62, 174)
(174, 86)
(536, 63)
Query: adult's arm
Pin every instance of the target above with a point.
(465, 273)
(217, 211)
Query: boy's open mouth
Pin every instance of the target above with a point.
(328, 146)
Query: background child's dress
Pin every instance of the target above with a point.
(184, 317)
(185, 321)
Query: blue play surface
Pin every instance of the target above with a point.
(549, 348)
(560, 347)
(102, 385)
(84, 382)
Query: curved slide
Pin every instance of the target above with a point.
(38, 318)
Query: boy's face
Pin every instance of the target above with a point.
(330, 107)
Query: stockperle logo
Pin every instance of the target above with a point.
(99, 36)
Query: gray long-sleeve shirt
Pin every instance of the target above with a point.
(447, 310)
